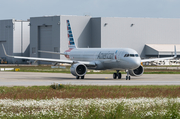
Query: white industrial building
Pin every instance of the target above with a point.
(14, 35)
(150, 37)
(137, 32)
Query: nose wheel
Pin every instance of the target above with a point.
(117, 75)
(128, 77)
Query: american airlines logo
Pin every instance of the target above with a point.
(106, 55)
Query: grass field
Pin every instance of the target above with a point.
(67, 70)
(90, 102)
(70, 91)
(121, 108)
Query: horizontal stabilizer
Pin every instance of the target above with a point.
(58, 53)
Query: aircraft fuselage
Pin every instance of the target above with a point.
(107, 58)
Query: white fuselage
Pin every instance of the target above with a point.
(118, 59)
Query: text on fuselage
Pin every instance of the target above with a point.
(106, 55)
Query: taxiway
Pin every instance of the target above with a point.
(33, 78)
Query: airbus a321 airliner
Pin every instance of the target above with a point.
(82, 59)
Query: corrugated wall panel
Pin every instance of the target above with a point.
(6, 37)
(26, 38)
(136, 32)
(37, 24)
(45, 41)
(96, 32)
(17, 39)
(11, 35)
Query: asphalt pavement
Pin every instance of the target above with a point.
(33, 78)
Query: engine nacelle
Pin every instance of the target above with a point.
(137, 72)
(78, 69)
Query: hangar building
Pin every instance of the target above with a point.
(50, 33)
(150, 37)
(137, 32)
(14, 35)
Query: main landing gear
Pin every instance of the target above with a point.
(77, 77)
(117, 75)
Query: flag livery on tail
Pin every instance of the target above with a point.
(71, 44)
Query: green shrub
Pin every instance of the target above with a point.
(56, 86)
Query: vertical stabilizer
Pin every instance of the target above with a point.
(71, 44)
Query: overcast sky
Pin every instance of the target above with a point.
(24, 9)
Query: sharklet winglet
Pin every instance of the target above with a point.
(5, 52)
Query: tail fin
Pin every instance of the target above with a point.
(71, 44)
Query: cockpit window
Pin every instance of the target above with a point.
(131, 55)
(126, 55)
(136, 55)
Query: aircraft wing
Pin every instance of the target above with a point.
(55, 60)
(50, 60)
(159, 59)
(156, 59)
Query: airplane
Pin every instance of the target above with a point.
(82, 59)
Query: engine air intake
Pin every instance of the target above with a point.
(78, 69)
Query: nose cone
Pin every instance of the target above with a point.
(136, 63)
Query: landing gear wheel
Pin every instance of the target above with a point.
(114, 75)
(128, 77)
(82, 77)
(77, 77)
(119, 75)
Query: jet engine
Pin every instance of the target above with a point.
(137, 72)
(78, 69)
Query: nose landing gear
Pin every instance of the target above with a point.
(128, 77)
(117, 75)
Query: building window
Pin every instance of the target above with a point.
(33, 50)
